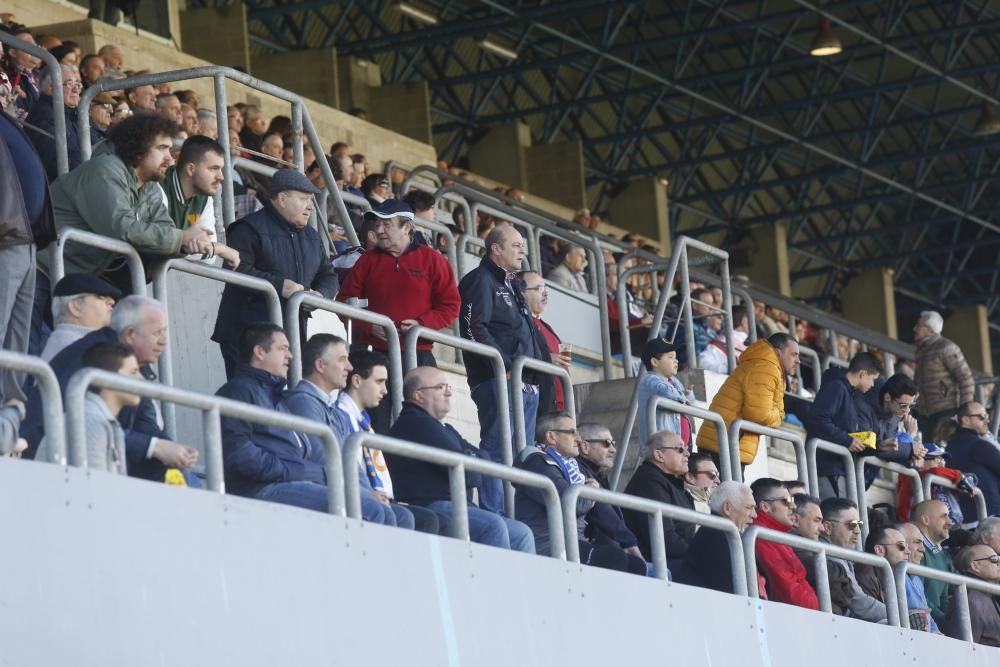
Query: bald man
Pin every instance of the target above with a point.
(426, 402)
(934, 522)
(979, 561)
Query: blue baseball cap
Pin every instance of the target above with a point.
(934, 449)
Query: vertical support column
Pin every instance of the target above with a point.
(555, 172)
(500, 154)
(218, 35)
(642, 208)
(765, 257)
(868, 299)
(404, 108)
(969, 328)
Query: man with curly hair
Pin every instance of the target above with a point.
(117, 194)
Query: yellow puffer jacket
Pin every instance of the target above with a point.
(756, 392)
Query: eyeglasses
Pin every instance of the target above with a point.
(905, 406)
(787, 501)
(683, 450)
(899, 545)
(712, 475)
(607, 443)
(993, 559)
(444, 386)
(125, 111)
(979, 415)
(853, 524)
(73, 85)
(567, 431)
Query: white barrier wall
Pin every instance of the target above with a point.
(114, 571)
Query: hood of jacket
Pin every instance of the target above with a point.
(761, 352)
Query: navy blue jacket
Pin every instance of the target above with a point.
(419, 482)
(306, 400)
(255, 455)
(496, 315)
(140, 423)
(605, 523)
(872, 417)
(27, 172)
(707, 563)
(651, 482)
(274, 250)
(971, 453)
(833, 416)
(43, 117)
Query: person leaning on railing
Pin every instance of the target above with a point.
(843, 529)
(885, 542)
(916, 596)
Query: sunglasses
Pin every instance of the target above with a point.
(904, 406)
(899, 545)
(853, 524)
(712, 475)
(567, 431)
(683, 450)
(787, 501)
(444, 386)
(607, 443)
(993, 559)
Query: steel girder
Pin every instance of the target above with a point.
(869, 156)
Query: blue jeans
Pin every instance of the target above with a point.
(485, 396)
(313, 496)
(492, 529)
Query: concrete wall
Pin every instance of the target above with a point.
(356, 78)
(218, 35)
(767, 252)
(311, 73)
(404, 108)
(869, 300)
(642, 208)
(117, 571)
(555, 172)
(499, 154)
(969, 327)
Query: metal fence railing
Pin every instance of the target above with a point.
(851, 480)
(960, 585)
(58, 99)
(301, 124)
(655, 512)
(52, 403)
(300, 299)
(517, 387)
(457, 465)
(499, 378)
(195, 268)
(859, 472)
(66, 236)
(213, 408)
(977, 494)
(823, 550)
(796, 439)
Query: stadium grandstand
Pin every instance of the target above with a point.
(673, 318)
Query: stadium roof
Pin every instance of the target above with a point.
(876, 156)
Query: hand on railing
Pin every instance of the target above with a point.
(290, 287)
(196, 241)
(230, 256)
(175, 454)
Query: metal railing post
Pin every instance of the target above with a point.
(517, 386)
(960, 585)
(222, 122)
(861, 463)
(850, 472)
(299, 299)
(137, 272)
(458, 465)
(928, 481)
(52, 402)
(212, 429)
(793, 437)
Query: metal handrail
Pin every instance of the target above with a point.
(830, 360)
(656, 511)
(816, 366)
(513, 218)
(738, 289)
(850, 473)
(463, 241)
(135, 268)
(196, 268)
(457, 465)
(796, 439)
(52, 403)
(960, 583)
(295, 303)
(860, 464)
(301, 122)
(822, 550)
(590, 242)
(58, 99)
(499, 378)
(213, 407)
(977, 494)
(517, 387)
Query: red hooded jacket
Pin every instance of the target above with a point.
(785, 573)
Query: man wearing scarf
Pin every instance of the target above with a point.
(553, 455)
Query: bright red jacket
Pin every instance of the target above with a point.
(904, 488)
(785, 573)
(418, 285)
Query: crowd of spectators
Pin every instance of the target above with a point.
(152, 181)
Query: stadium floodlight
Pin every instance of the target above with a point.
(988, 122)
(825, 43)
(416, 13)
(498, 49)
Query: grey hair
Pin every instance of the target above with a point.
(989, 529)
(933, 320)
(590, 430)
(60, 307)
(45, 83)
(205, 114)
(731, 492)
(128, 311)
